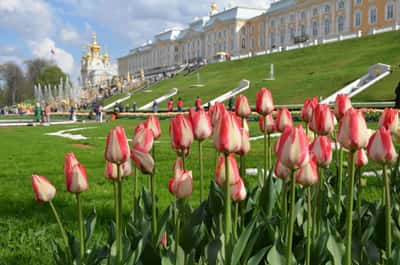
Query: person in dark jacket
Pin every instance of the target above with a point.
(397, 104)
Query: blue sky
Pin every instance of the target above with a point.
(32, 28)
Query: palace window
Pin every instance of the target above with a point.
(372, 15)
(357, 19)
(303, 15)
(252, 43)
(282, 20)
(358, 2)
(282, 35)
(341, 5)
(292, 18)
(244, 31)
(219, 34)
(272, 23)
(273, 39)
(389, 11)
(303, 30)
(252, 29)
(341, 24)
(315, 29)
(292, 33)
(327, 8)
(243, 43)
(232, 44)
(315, 11)
(327, 26)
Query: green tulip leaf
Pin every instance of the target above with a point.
(336, 249)
(274, 257)
(258, 257)
(90, 224)
(241, 243)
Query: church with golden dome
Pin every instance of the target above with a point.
(95, 67)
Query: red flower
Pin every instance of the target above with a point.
(342, 104)
(283, 119)
(227, 135)
(44, 190)
(380, 147)
(242, 107)
(308, 109)
(201, 123)
(181, 133)
(264, 102)
(153, 124)
(353, 131)
(117, 148)
(220, 175)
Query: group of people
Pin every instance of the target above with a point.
(179, 104)
(42, 114)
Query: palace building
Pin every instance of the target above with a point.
(247, 31)
(95, 67)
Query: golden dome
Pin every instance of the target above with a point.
(213, 9)
(94, 46)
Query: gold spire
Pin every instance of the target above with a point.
(105, 55)
(94, 47)
(213, 10)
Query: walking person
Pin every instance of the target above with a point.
(230, 104)
(155, 106)
(100, 113)
(47, 112)
(179, 105)
(38, 112)
(170, 105)
(134, 106)
(198, 103)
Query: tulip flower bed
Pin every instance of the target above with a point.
(293, 216)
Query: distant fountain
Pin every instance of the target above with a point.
(198, 81)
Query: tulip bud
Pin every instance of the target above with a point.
(217, 111)
(178, 166)
(323, 120)
(270, 123)
(181, 185)
(142, 160)
(181, 133)
(201, 123)
(117, 148)
(308, 109)
(163, 242)
(361, 158)
(353, 131)
(283, 119)
(389, 120)
(276, 145)
(308, 174)
(242, 107)
(245, 138)
(264, 102)
(44, 190)
(111, 172)
(380, 147)
(238, 191)
(281, 171)
(143, 137)
(322, 149)
(153, 124)
(293, 149)
(227, 134)
(342, 104)
(220, 170)
(70, 161)
(77, 179)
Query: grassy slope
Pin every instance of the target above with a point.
(299, 74)
(27, 227)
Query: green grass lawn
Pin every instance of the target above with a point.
(27, 227)
(302, 73)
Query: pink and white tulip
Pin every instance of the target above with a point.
(283, 119)
(142, 160)
(117, 148)
(181, 133)
(70, 161)
(43, 189)
(323, 120)
(308, 174)
(201, 124)
(390, 120)
(227, 135)
(220, 175)
(153, 124)
(271, 127)
(181, 185)
(111, 170)
(380, 147)
(245, 138)
(322, 149)
(264, 102)
(293, 150)
(238, 191)
(361, 158)
(342, 104)
(308, 109)
(242, 107)
(143, 137)
(281, 171)
(76, 179)
(353, 132)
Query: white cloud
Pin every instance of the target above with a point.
(69, 35)
(32, 19)
(44, 48)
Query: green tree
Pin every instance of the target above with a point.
(15, 82)
(51, 75)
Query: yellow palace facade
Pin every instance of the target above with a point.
(247, 31)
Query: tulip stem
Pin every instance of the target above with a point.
(388, 213)
(63, 233)
(309, 222)
(235, 221)
(228, 226)
(284, 205)
(201, 169)
(135, 176)
(349, 215)
(242, 157)
(178, 228)
(81, 230)
(358, 205)
(269, 152)
(291, 220)
(265, 151)
(339, 183)
(153, 208)
(318, 200)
